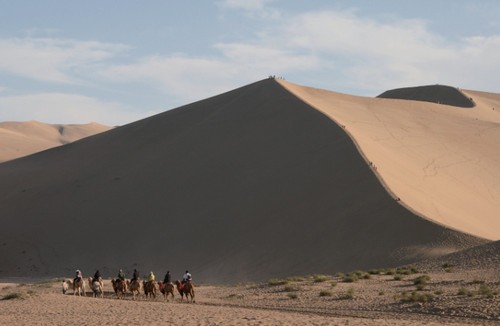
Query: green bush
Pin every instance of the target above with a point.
(398, 277)
(277, 281)
(485, 290)
(350, 278)
(295, 279)
(15, 295)
(349, 295)
(416, 297)
(334, 284)
(291, 288)
(320, 278)
(325, 293)
(422, 280)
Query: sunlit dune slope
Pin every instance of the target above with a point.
(247, 185)
(19, 139)
(442, 161)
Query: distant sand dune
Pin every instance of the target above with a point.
(440, 94)
(19, 139)
(247, 185)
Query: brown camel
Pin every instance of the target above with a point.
(149, 289)
(166, 288)
(97, 287)
(79, 285)
(187, 289)
(135, 287)
(120, 287)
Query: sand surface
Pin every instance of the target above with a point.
(18, 139)
(440, 160)
(375, 299)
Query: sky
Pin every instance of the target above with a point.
(118, 61)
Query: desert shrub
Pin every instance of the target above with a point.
(325, 293)
(422, 280)
(14, 295)
(381, 293)
(293, 295)
(334, 284)
(413, 269)
(416, 297)
(320, 278)
(367, 277)
(448, 270)
(277, 281)
(349, 295)
(374, 271)
(235, 296)
(447, 265)
(438, 292)
(477, 281)
(291, 288)
(403, 271)
(398, 277)
(485, 290)
(390, 271)
(462, 291)
(351, 277)
(295, 279)
(340, 275)
(420, 287)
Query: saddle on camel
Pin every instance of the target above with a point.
(185, 289)
(119, 286)
(166, 288)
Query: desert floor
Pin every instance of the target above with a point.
(378, 297)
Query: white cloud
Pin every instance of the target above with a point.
(52, 60)
(66, 108)
(193, 78)
(250, 5)
(253, 8)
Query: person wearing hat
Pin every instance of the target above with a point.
(121, 275)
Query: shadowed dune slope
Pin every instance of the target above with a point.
(19, 139)
(247, 185)
(440, 94)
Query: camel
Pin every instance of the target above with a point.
(119, 286)
(135, 287)
(149, 289)
(97, 287)
(186, 289)
(166, 288)
(79, 285)
(66, 284)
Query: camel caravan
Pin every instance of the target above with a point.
(137, 288)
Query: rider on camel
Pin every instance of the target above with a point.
(151, 277)
(121, 276)
(135, 276)
(79, 275)
(168, 278)
(97, 277)
(186, 277)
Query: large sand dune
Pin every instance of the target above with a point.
(247, 185)
(442, 161)
(19, 139)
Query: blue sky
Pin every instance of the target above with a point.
(115, 62)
